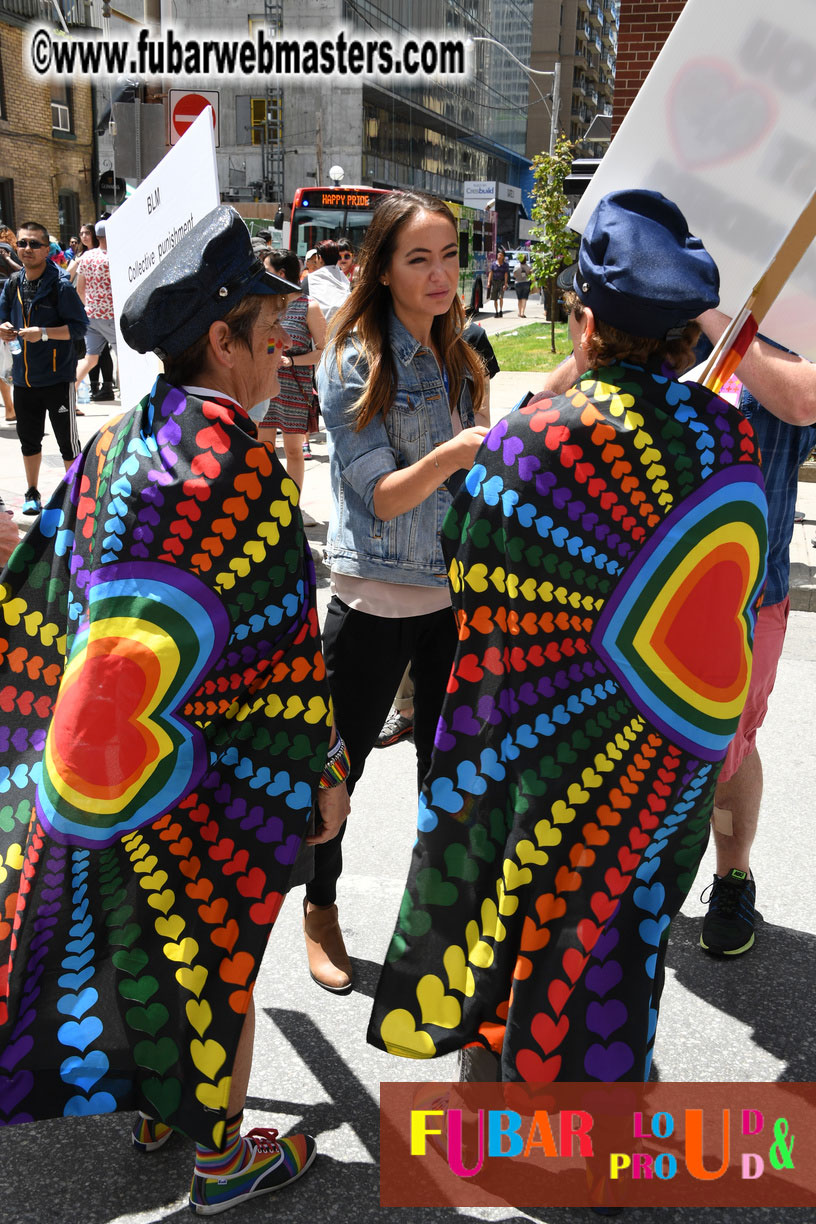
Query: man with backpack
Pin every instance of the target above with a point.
(41, 316)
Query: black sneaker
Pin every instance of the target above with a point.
(32, 503)
(728, 927)
(396, 727)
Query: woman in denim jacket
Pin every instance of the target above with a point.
(398, 388)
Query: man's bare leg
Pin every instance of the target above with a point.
(246, 1165)
(738, 801)
(84, 367)
(243, 1064)
(8, 401)
(728, 927)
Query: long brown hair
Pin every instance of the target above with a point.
(364, 317)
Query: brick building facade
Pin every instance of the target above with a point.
(46, 142)
(644, 26)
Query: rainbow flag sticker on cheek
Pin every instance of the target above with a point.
(273, 345)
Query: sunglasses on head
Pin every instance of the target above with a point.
(22, 243)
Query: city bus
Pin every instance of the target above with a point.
(335, 212)
(477, 241)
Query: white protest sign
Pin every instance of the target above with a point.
(181, 190)
(725, 125)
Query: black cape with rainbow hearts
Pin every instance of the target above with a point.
(606, 556)
(164, 719)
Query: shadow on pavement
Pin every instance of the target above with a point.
(769, 989)
(85, 1170)
(366, 976)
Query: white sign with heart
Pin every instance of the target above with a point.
(725, 125)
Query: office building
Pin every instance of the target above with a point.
(581, 35)
(281, 134)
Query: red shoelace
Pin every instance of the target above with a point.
(265, 1140)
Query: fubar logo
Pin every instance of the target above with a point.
(622, 1144)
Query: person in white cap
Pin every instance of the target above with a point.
(310, 264)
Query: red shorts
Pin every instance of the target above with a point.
(769, 638)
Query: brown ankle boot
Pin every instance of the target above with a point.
(329, 964)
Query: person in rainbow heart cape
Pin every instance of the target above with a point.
(606, 556)
(167, 732)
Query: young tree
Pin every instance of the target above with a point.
(557, 242)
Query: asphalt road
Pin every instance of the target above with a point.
(746, 1020)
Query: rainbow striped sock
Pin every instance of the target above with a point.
(236, 1154)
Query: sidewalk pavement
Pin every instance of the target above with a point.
(13, 484)
(506, 389)
(510, 320)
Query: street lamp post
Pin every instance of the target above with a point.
(554, 72)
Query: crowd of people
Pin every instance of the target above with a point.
(576, 735)
(51, 342)
(32, 378)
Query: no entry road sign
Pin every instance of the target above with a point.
(186, 106)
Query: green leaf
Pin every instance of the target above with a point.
(556, 242)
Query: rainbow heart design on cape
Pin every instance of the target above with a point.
(152, 631)
(700, 571)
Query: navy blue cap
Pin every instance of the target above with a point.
(206, 274)
(639, 269)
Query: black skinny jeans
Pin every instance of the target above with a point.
(365, 659)
(103, 369)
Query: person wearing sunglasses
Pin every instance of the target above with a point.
(41, 310)
(345, 260)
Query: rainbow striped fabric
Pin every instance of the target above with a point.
(164, 720)
(727, 362)
(606, 557)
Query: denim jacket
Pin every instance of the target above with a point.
(405, 549)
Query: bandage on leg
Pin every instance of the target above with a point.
(722, 821)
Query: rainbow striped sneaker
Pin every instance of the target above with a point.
(275, 1163)
(148, 1133)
